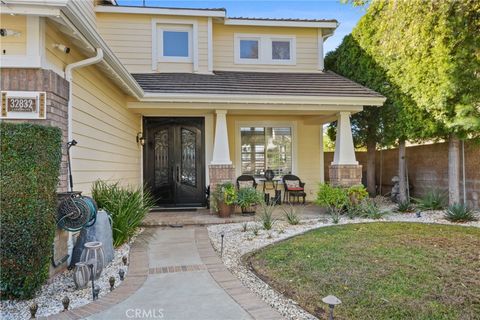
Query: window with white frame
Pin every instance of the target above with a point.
(264, 148)
(264, 49)
(174, 43)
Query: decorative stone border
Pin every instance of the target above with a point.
(228, 282)
(137, 274)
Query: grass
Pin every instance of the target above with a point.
(379, 270)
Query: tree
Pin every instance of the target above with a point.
(430, 54)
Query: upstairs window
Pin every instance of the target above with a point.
(264, 49)
(175, 43)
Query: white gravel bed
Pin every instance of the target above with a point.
(238, 243)
(49, 298)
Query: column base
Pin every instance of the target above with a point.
(220, 173)
(345, 175)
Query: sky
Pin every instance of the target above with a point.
(346, 14)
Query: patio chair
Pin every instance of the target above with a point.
(294, 187)
(246, 181)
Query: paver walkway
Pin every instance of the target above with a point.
(186, 280)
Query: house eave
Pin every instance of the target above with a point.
(279, 23)
(263, 99)
(160, 11)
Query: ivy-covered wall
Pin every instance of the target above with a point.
(30, 164)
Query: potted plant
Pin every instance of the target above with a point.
(247, 199)
(225, 197)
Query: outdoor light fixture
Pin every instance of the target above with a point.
(96, 292)
(140, 138)
(222, 234)
(90, 265)
(125, 260)
(111, 280)
(121, 273)
(65, 302)
(33, 309)
(9, 32)
(62, 48)
(332, 301)
(419, 214)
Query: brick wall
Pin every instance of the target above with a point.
(427, 168)
(57, 115)
(220, 173)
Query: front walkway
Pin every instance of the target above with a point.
(185, 280)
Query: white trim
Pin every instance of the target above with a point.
(173, 24)
(264, 48)
(20, 61)
(322, 156)
(210, 44)
(33, 36)
(163, 11)
(280, 23)
(267, 99)
(33, 9)
(267, 123)
(321, 63)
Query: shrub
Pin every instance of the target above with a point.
(458, 212)
(126, 205)
(405, 206)
(291, 215)
(266, 217)
(248, 197)
(356, 194)
(334, 198)
(369, 209)
(434, 199)
(224, 192)
(30, 157)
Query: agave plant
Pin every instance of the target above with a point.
(434, 199)
(458, 212)
(405, 206)
(266, 217)
(291, 215)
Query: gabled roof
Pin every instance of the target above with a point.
(254, 83)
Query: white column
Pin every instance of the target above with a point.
(344, 150)
(322, 158)
(221, 151)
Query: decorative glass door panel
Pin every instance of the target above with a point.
(189, 153)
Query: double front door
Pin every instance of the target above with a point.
(174, 161)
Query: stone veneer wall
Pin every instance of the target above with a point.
(56, 88)
(427, 168)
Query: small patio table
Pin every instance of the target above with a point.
(271, 185)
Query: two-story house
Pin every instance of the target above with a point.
(179, 99)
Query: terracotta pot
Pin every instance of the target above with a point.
(225, 210)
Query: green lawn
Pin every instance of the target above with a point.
(379, 270)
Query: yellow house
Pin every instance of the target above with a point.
(180, 99)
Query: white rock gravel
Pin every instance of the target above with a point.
(49, 298)
(238, 243)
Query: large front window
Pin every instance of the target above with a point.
(266, 148)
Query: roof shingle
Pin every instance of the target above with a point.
(253, 83)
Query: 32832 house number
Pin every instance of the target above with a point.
(22, 104)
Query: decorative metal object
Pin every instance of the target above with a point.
(65, 303)
(269, 175)
(111, 280)
(222, 234)
(121, 273)
(96, 292)
(33, 309)
(332, 301)
(81, 275)
(93, 252)
(124, 260)
(90, 266)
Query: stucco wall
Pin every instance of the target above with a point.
(427, 168)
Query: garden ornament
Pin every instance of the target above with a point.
(332, 301)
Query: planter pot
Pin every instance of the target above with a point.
(225, 210)
(249, 211)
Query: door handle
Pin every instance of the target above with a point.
(178, 173)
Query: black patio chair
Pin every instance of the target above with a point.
(246, 180)
(294, 187)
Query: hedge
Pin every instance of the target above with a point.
(29, 162)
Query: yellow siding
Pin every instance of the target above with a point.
(308, 148)
(306, 51)
(14, 45)
(104, 128)
(130, 37)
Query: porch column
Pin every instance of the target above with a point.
(344, 169)
(220, 169)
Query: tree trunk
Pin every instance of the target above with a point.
(371, 183)
(402, 196)
(453, 170)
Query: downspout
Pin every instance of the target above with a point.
(69, 77)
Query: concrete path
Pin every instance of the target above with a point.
(186, 280)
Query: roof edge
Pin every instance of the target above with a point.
(215, 12)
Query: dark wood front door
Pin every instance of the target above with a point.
(174, 161)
